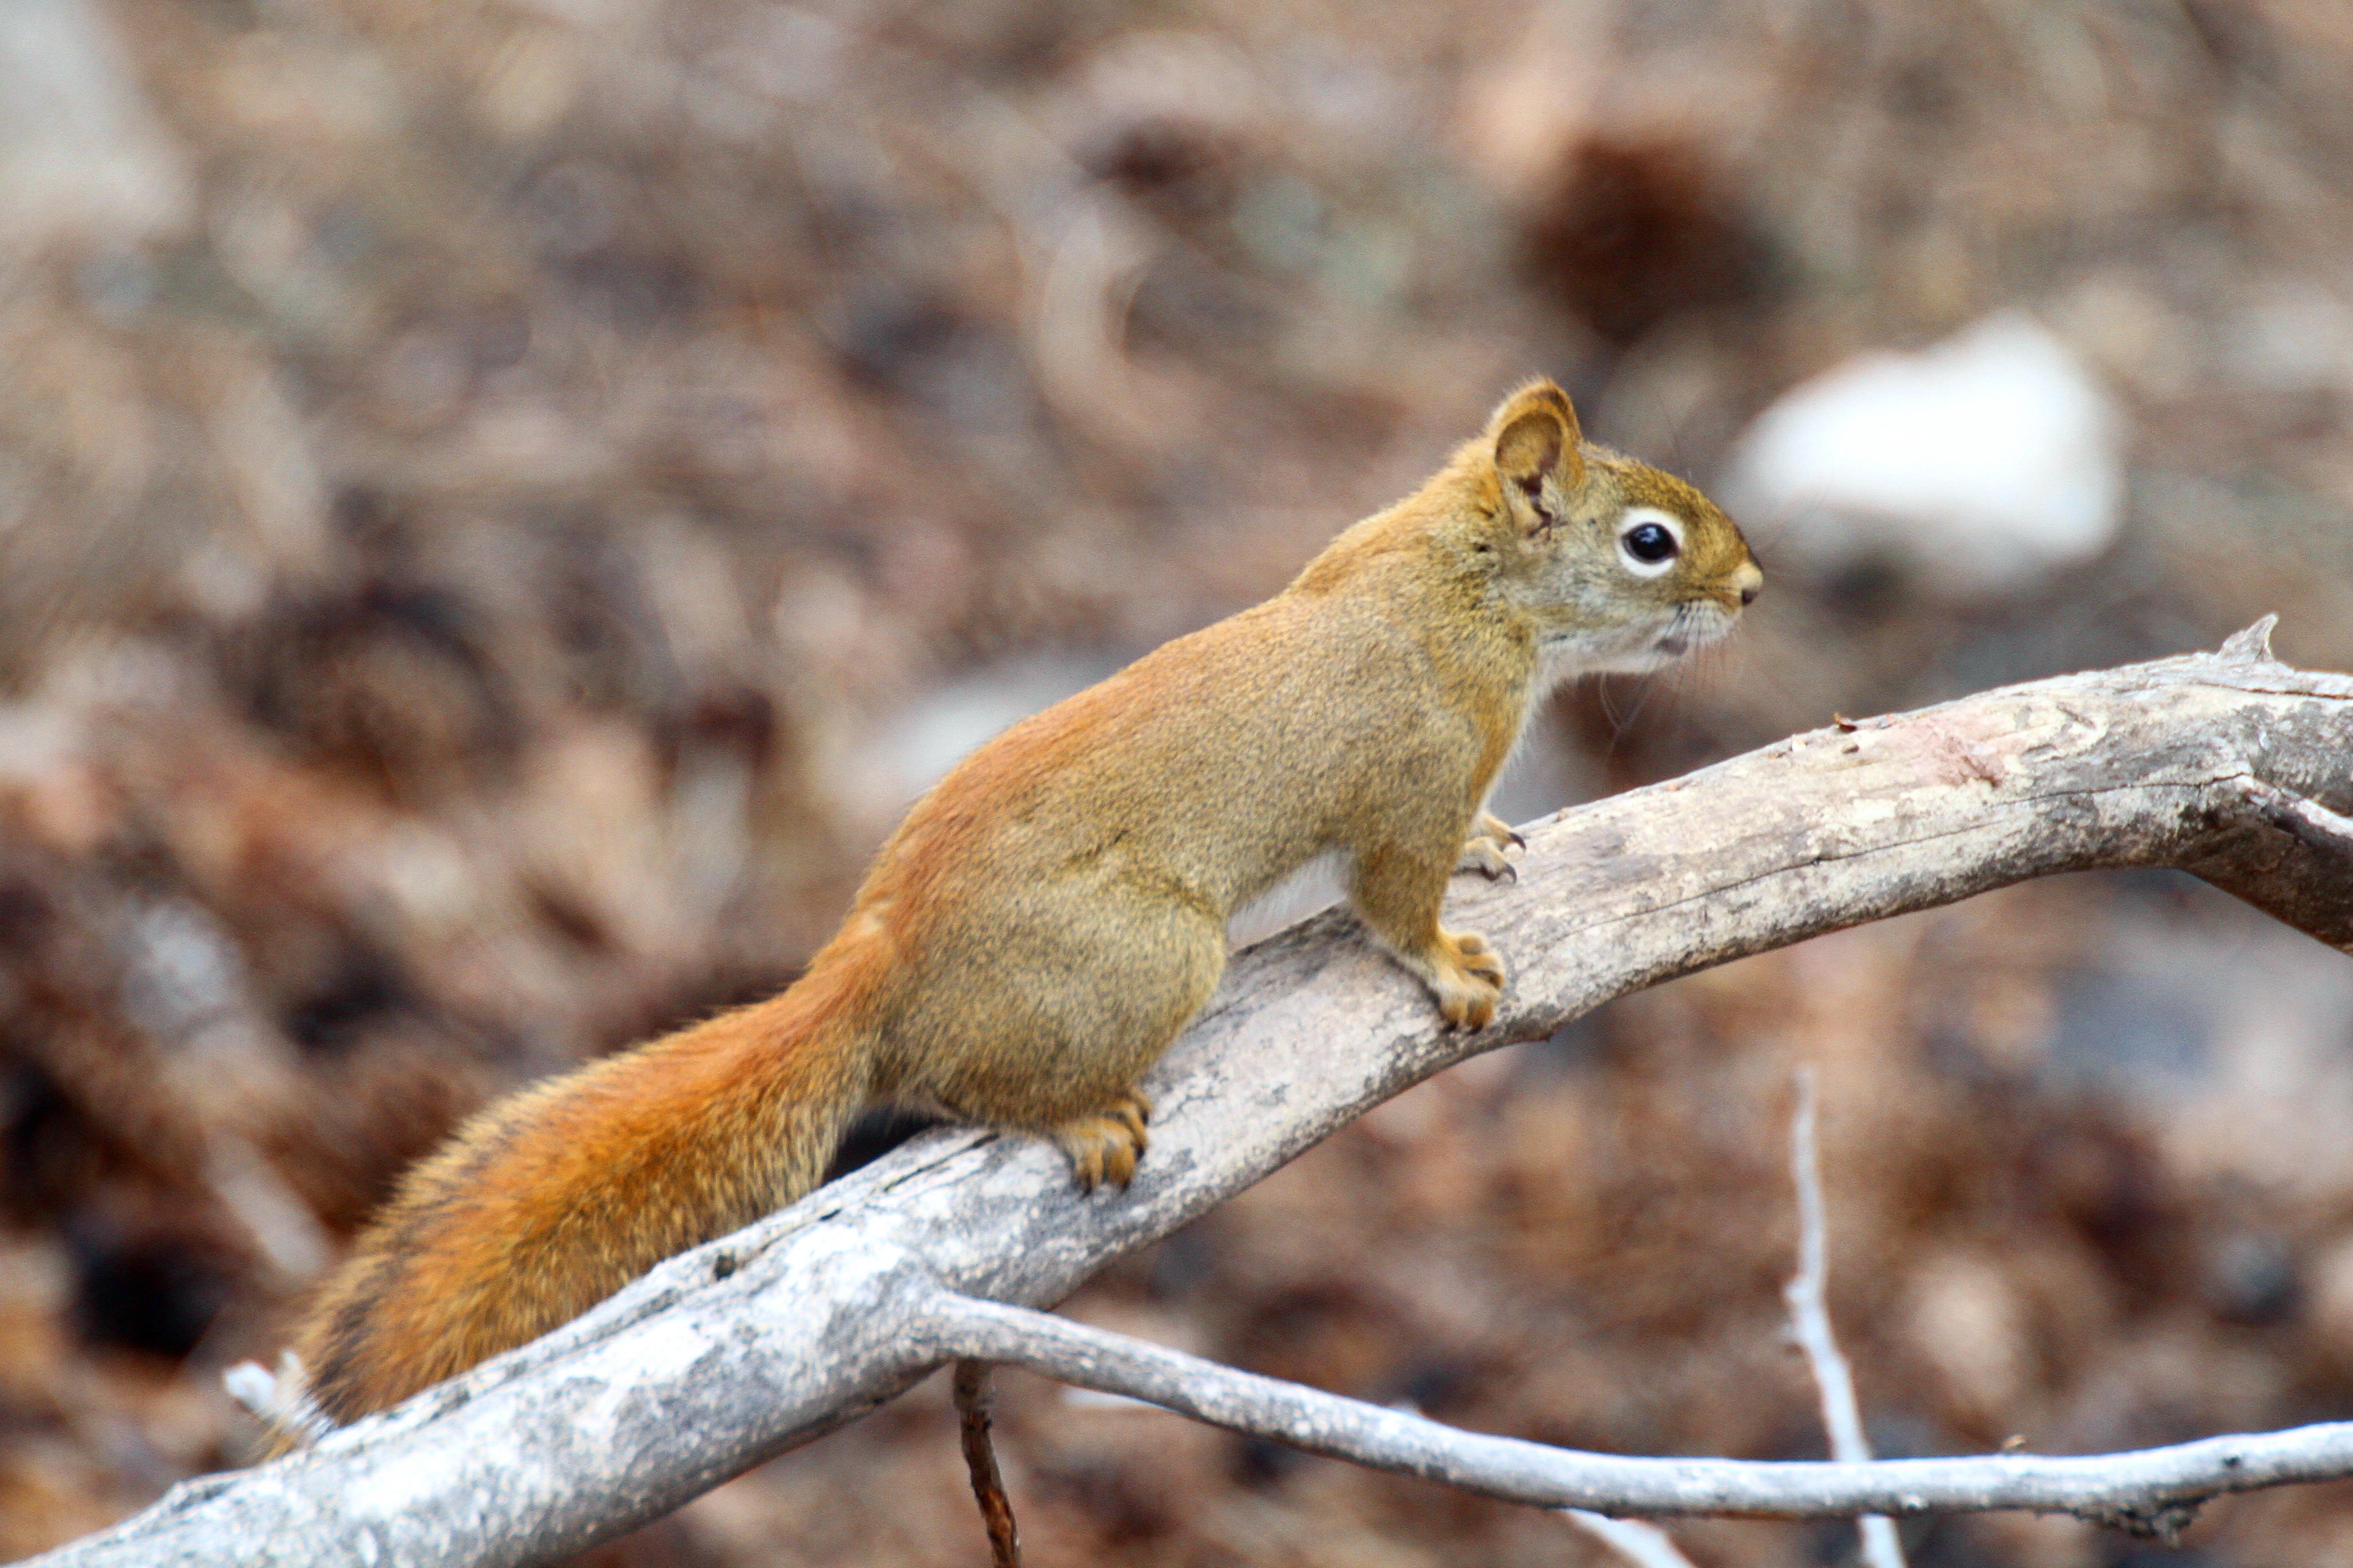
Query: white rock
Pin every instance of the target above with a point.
(1977, 467)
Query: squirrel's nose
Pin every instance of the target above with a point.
(1748, 594)
(1750, 581)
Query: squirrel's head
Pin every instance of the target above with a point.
(1619, 566)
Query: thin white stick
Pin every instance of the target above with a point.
(1809, 1318)
(2151, 1491)
(1645, 1546)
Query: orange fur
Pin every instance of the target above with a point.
(1046, 919)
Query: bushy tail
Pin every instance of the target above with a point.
(552, 1199)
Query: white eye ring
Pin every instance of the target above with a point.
(1649, 516)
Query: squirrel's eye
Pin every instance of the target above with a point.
(1649, 541)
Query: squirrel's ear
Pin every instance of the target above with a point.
(1535, 439)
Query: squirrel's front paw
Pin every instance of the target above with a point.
(1467, 977)
(1105, 1146)
(1483, 851)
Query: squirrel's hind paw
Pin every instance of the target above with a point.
(1105, 1146)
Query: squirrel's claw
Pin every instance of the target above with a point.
(1483, 851)
(1484, 857)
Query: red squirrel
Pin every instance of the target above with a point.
(1051, 914)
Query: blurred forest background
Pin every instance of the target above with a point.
(501, 504)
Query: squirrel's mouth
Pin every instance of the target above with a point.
(1696, 623)
(1640, 649)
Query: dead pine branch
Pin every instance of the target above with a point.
(767, 1339)
(2150, 1491)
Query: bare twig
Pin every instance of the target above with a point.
(1644, 1545)
(2148, 1491)
(980, 1459)
(1809, 1318)
(769, 1338)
